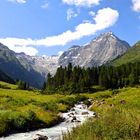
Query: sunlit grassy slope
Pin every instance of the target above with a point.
(118, 117)
(22, 110)
(118, 113)
(131, 56)
(7, 85)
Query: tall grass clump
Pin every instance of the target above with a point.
(117, 124)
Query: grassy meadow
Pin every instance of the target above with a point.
(118, 117)
(118, 112)
(23, 110)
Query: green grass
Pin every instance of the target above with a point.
(7, 85)
(118, 117)
(22, 110)
(131, 56)
(118, 112)
(16, 104)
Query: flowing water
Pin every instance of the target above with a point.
(76, 116)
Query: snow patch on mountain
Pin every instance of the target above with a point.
(99, 51)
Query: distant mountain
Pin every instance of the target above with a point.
(99, 51)
(10, 65)
(132, 55)
(41, 64)
(34, 69)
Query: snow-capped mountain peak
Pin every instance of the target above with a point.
(100, 50)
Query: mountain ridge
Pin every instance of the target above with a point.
(13, 68)
(131, 55)
(98, 51)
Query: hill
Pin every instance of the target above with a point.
(117, 117)
(4, 77)
(10, 65)
(23, 110)
(131, 56)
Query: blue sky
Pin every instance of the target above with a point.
(49, 27)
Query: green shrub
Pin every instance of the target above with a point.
(12, 121)
(115, 92)
(31, 115)
(79, 98)
(52, 106)
(70, 101)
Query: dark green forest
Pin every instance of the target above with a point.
(77, 80)
(6, 78)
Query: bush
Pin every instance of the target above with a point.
(4, 122)
(115, 92)
(70, 101)
(52, 106)
(80, 98)
(31, 115)
(86, 102)
(13, 121)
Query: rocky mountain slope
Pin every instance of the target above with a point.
(99, 51)
(10, 65)
(132, 55)
(41, 64)
(34, 69)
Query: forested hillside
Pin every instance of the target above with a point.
(75, 80)
(4, 77)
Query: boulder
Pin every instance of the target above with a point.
(72, 109)
(112, 105)
(94, 113)
(123, 102)
(85, 113)
(72, 113)
(40, 137)
(73, 119)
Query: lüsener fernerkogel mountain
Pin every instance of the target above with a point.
(33, 69)
(99, 51)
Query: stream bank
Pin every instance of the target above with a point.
(75, 116)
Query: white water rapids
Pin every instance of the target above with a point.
(74, 117)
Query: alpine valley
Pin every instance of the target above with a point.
(103, 49)
(90, 92)
(70, 70)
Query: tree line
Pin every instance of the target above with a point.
(22, 85)
(76, 79)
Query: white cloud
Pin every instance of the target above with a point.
(17, 41)
(83, 3)
(27, 50)
(20, 45)
(136, 5)
(18, 1)
(104, 18)
(71, 13)
(91, 13)
(45, 5)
